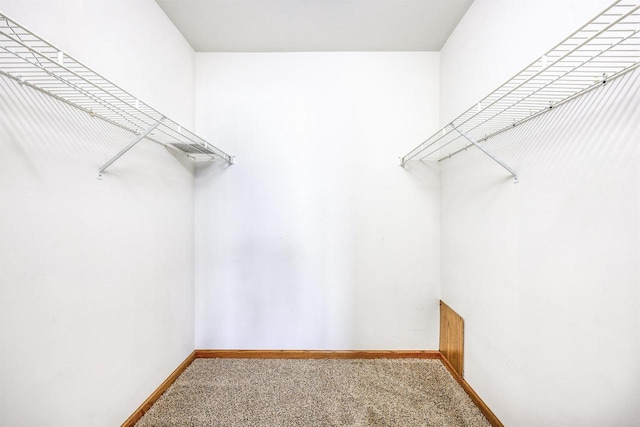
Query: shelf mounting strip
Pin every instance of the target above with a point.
(34, 62)
(606, 47)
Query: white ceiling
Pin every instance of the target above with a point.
(315, 25)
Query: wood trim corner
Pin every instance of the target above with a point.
(142, 409)
(488, 413)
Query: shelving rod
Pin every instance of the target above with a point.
(603, 49)
(130, 146)
(33, 62)
(484, 150)
(534, 93)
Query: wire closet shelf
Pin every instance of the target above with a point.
(605, 48)
(34, 62)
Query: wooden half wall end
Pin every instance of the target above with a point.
(452, 337)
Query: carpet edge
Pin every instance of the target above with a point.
(486, 411)
(146, 405)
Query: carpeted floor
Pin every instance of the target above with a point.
(320, 392)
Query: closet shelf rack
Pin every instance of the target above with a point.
(605, 48)
(36, 63)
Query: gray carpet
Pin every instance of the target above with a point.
(323, 392)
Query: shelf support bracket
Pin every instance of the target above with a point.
(484, 150)
(129, 147)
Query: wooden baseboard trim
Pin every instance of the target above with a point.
(488, 413)
(142, 409)
(318, 354)
(311, 354)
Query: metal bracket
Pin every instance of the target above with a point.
(484, 150)
(129, 147)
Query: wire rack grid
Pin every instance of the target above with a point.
(605, 48)
(34, 62)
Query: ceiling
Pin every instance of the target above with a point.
(315, 25)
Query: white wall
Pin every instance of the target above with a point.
(317, 238)
(96, 290)
(546, 272)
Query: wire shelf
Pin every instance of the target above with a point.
(605, 48)
(34, 62)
